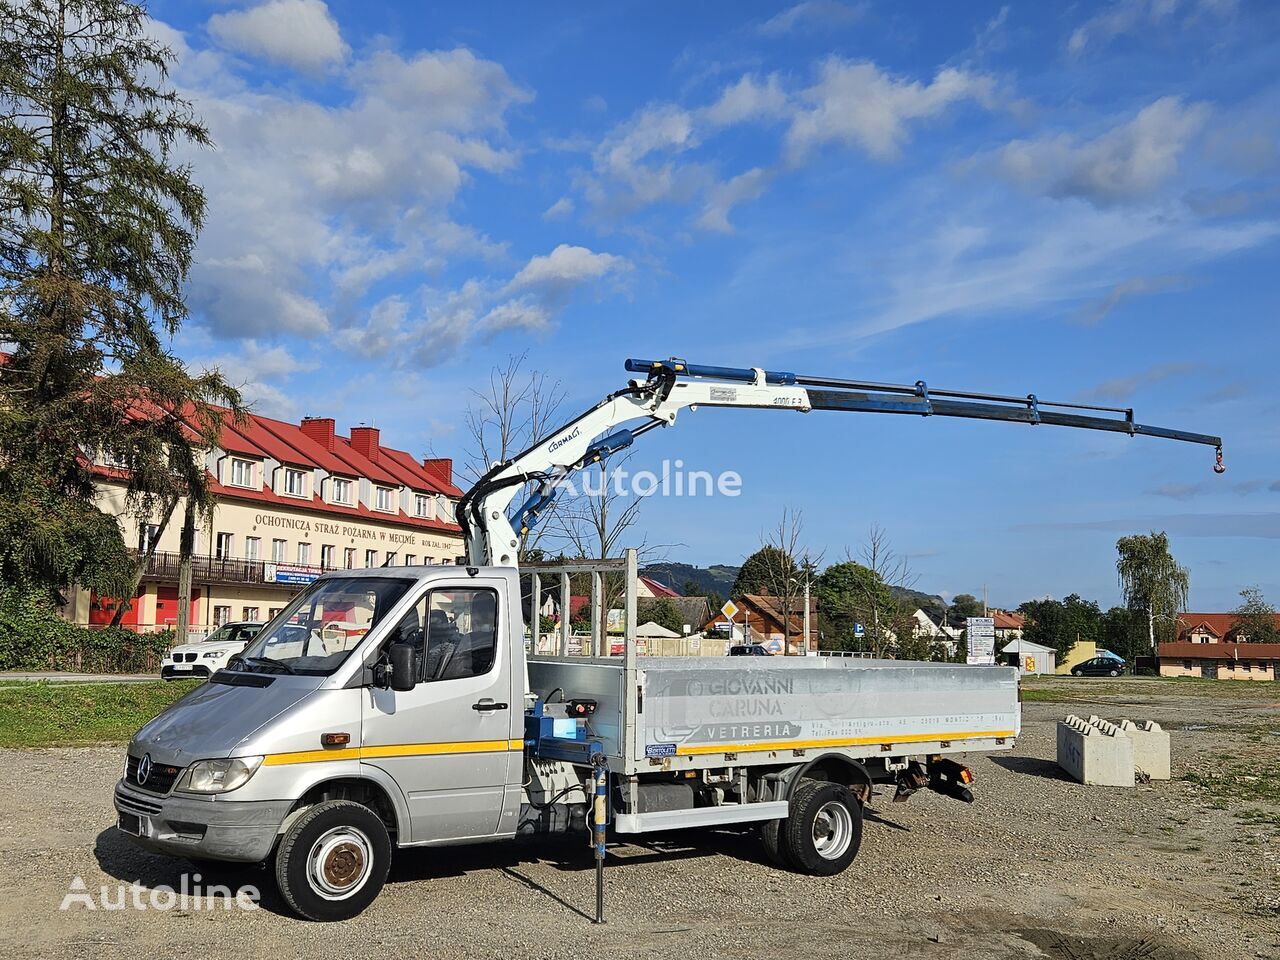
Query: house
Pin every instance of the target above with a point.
(1008, 625)
(763, 617)
(1211, 645)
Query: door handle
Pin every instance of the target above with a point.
(488, 706)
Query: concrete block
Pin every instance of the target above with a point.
(1150, 747)
(1095, 752)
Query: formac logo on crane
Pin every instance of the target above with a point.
(559, 442)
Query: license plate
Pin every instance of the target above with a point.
(130, 823)
(182, 666)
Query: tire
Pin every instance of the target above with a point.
(771, 835)
(822, 834)
(1114, 673)
(332, 862)
(1076, 673)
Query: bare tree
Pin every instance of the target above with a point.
(781, 568)
(517, 409)
(885, 612)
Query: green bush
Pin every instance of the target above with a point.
(34, 637)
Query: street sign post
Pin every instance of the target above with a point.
(730, 610)
(980, 640)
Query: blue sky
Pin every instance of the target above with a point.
(1081, 201)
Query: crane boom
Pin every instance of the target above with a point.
(673, 385)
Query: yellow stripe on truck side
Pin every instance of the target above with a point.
(889, 739)
(393, 750)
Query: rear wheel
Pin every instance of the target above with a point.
(332, 862)
(771, 835)
(823, 832)
(1077, 673)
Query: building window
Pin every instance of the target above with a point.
(250, 614)
(223, 546)
(326, 556)
(242, 473)
(341, 491)
(273, 612)
(277, 551)
(221, 615)
(371, 558)
(295, 482)
(390, 558)
(147, 535)
(304, 553)
(410, 560)
(252, 548)
(1186, 665)
(349, 557)
(422, 506)
(382, 499)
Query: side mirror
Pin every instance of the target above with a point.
(403, 674)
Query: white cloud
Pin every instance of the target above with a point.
(560, 209)
(566, 266)
(1122, 388)
(748, 99)
(723, 197)
(858, 104)
(298, 33)
(251, 366)
(1126, 163)
(1136, 16)
(442, 323)
(313, 204)
(812, 15)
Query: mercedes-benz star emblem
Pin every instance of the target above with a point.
(144, 768)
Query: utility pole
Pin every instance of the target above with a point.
(806, 613)
(186, 547)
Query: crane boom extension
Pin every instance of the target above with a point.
(672, 385)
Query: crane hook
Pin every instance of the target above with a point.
(1218, 467)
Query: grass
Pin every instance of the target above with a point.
(1058, 689)
(75, 714)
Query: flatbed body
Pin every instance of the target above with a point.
(696, 713)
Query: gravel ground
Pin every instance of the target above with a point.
(1037, 867)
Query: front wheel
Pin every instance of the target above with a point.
(1115, 673)
(332, 862)
(823, 832)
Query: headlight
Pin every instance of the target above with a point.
(213, 655)
(218, 776)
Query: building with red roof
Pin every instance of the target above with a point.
(292, 501)
(1213, 645)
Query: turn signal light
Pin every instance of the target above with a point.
(335, 739)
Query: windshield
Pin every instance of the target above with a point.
(322, 625)
(241, 632)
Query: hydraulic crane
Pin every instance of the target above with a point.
(673, 385)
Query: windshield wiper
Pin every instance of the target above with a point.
(269, 664)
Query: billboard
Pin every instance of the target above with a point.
(980, 636)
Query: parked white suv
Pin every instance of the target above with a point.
(201, 659)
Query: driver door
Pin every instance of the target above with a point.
(447, 742)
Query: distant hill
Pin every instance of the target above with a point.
(719, 579)
(714, 579)
(930, 604)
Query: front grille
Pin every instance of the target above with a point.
(159, 780)
(190, 657)
(134, 805)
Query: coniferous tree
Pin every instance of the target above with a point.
(97, 224)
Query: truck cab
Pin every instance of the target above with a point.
(305, 719)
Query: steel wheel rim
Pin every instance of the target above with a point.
(832, 830)
(340, 863)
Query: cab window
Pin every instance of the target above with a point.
(454, 633)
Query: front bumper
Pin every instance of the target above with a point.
(238, 830)
(194, 672)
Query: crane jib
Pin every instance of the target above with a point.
(1029, 413)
